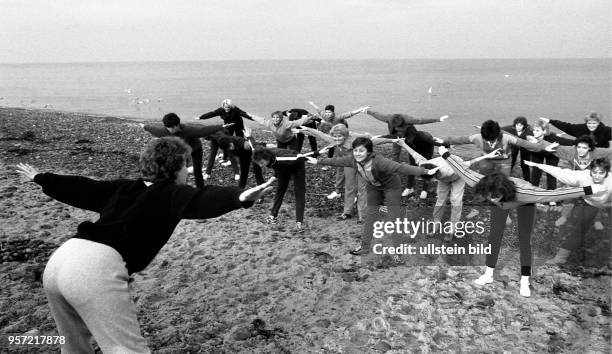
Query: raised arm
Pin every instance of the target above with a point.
(261, 120)
(470, 177)
(563, 175)
(317, 134)
(244, 114)
(380, 116)
(347, 115)
(215, 113)
(157, 130)
(202, 131)
(418, 158)
(456, 140)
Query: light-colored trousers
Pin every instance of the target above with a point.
(86, 284)
(455, 189)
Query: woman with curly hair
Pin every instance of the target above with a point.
(86, 278)
(511, 193)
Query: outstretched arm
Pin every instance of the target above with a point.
(349, 114)
(157, 130)
(563, 175)
(260, 120)
(317, 134)
(215, 113)
(470, 177)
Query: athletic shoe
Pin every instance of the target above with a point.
(407, 192)
(299, 227)
(359, 251)
(483, 279)
(344, 217)
(508, 221)
(226, 163)
(561, 221)
(525, 290)
(206, 176)
(473, 213)
(272, 220)
(237, 177)
(598, 225)
(334, 195)
(423, 195)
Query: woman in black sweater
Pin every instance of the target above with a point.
(86, 279)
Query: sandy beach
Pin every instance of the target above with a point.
(236, 285)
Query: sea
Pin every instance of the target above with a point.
(469, 91)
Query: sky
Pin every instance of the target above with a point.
(160, 30)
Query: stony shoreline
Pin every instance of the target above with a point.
(227, 285)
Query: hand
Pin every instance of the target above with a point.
(494, 153)
(364, 109)
(399, 141)
(326, 149)
(530, 163)
(442, 150)
(438, 140)
(297, 130)
(247, 132)
(311, 160)
(228, 125)
(561, 134)
(476, 126)
(551, 147)
(252, 194)
(26, 171)
(545, 120)
(432, 171)
(141, 125)
(531, 139)
(196, 118)
(443, 118)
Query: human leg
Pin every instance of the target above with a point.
(196, 159)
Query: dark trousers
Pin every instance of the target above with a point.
(313, 144)
(291, 145)
(536, 173)
(214, 147)
(583, 216)
(375, 198)
(245, 164)
(422, 148)
(526, 219)
(284, 174)
(196, 159)
(525, 156)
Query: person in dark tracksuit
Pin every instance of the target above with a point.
(287, 165)
(190, 134)
(242, 148)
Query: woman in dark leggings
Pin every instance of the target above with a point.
(510, 193)
(287, 165)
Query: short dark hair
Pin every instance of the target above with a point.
(495, 185)
(171, 120)
(587, 140)
(330, 107)
(277, 113)
(365, 142)
(520, 119)
(163, 158)
(225, 141)
(602, 163)
(490, 130)
(264, 154)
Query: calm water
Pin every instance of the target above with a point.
(470, 91)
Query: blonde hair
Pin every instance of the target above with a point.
(593, 116)
(339, 129)
(542, 124)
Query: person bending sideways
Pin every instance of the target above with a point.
(584, 215)
(86, 278)
(281, 128)
(230, 114)
(243, 148)
(190, 134)
(383, 184)
(295, 114)
(511, 193)
(287, 165)
(403, 126)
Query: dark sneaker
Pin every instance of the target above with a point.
(344, 217)
(359, 251)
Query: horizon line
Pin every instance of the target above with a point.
(289, 59)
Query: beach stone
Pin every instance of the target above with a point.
(239, 332)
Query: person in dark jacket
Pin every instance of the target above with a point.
(521, 129)
(86, 278)
(592, 126)
(190, 134)
(242, 148)
(295, 114)
(230, 114)
(287, 165)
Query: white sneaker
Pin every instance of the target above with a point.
(508, 221)
(484, 279)
(524, 289)
(206, 176)
(561, 221)
(407, 192)
(226, 163)
(334, 195)
(237, 177)
(423, 195)
(473, 213)
(552, 204)
(598, 225)
(190, 169)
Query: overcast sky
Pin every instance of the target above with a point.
(160, 30)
